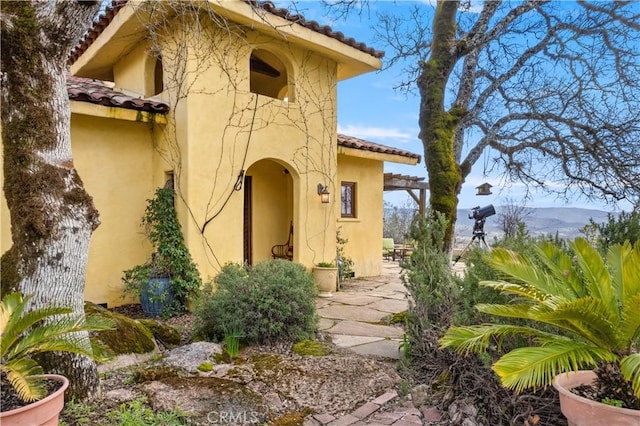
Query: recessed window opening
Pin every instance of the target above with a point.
(158, 77)
(268, 75)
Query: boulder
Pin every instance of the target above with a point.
(191, 356)
(329, 384)
(128, 336)
(207, 400)
(166, 334)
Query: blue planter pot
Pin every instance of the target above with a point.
(155, 296)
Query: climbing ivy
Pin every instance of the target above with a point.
(170, 259)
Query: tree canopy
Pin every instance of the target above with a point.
(548, 89)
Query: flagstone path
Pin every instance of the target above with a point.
(355, 318)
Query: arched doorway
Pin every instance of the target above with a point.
(268, 208)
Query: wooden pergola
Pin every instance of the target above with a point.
(397, 182)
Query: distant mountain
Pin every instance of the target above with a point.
(566, 221)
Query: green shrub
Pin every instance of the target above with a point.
(427, 275)
(275, 300)
(616, 230)
(471, 293)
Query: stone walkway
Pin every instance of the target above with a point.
(354, 316)
(355, 319)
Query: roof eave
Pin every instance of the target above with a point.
(118, 113)
(379, 156)
(117, 39)
(125, 32)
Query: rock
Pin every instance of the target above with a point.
(120, 395)
(328, 384)
(274, 400)
(165, 333)
(456, 418)
(469, 422)
(431, 414)
(125, 360)
(420, 395)
(129, 335)
(470, 410)
(452, 409)
(191, 356)
(208, 400)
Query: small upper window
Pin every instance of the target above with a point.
(348, 202)
(158, 77)
(268, 75)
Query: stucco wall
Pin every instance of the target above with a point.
(114, 159)
(221, 129)
(365, 231)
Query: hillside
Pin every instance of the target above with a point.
(566, 221)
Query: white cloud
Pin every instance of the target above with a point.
(378, 133)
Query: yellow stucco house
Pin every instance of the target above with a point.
(236, 104)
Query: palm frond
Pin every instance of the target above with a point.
(522, 269)
(507, 311)
(625, 274)
(560, 265)
(595, 273)
(17, 322)
(59, 336)
(19, 374)
(12, 307)
(477, 338)
(630, 367)
(522, 290)
(630, 322)
(589, 317)
(535, 367)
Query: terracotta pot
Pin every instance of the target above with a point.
(326, 279)
(581, 411)
(44, 412)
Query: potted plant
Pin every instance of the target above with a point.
(580, 312)
(26, 395)
(169, 279)
(326, 278)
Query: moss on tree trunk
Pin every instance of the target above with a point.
(52, 216)
(437, 126)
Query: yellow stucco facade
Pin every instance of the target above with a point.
(246, 151)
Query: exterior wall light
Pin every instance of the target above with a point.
(323, 192)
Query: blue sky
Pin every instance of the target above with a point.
(369, 108)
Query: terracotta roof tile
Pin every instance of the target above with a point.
(351, 142)
(98, 26)
(105, 19)
(97, 92)
(315, 26)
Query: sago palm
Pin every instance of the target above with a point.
(590, 308)
(25, 334)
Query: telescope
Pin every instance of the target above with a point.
(481, 213)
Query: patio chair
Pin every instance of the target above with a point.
(387, 247)
(284, 251)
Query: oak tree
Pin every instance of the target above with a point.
(52, 216)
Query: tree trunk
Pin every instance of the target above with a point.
(437, 126)
(52, 217)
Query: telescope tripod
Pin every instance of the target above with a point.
(478, 236)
